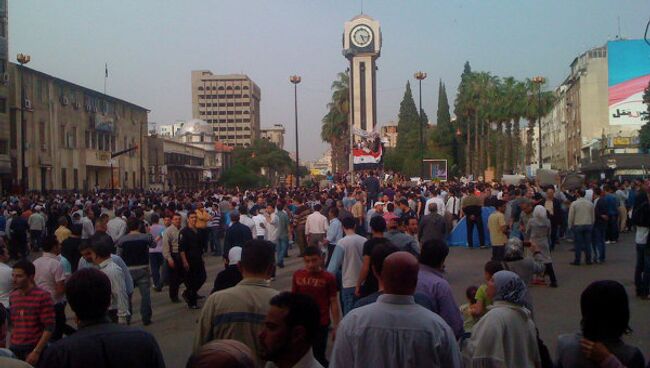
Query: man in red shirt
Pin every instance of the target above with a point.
(32, 314)
(321, 286)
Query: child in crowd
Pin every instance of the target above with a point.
(483, 301)
(466, 310)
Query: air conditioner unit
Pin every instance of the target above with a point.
(64, 101)
(94, 108)
(76, 105)
(88, 107)
(28, 104)
(4, 78)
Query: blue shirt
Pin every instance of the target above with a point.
(335, 231)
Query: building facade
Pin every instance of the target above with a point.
(274, 134)
(175, 165)
(578, 135)
(5, 159)
(67, 133)
(389, 134)
(230, 104)
(198, 133)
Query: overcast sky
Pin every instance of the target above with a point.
(152, 45)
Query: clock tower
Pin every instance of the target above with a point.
(361, 46)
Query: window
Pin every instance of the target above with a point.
(41, 135)
(73, 143)
(62, 137)
(4, 147)
(64, 184)
(75, 178)
(87, 139)
(3, 29)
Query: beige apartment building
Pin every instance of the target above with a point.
(274, 134)
(67, 133)
(229, 103)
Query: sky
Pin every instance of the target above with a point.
(151, 47)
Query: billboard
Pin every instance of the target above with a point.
(629, 73)
(437, 169)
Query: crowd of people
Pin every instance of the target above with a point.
(373, 284)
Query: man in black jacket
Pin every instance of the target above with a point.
(237, 234)
(191, 249)
(600, 225)
(99, 343)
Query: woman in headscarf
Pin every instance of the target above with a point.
(538, 231)
(505, 336)
(605, 318)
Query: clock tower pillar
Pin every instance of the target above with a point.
(361, 46)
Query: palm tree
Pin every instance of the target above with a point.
(536, 104)
(335, 128)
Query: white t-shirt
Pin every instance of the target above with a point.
(6, 284)
(641, 235)
(352, 258)
(439, 202)
(259, 225)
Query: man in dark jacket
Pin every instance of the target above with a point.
(231, 275)
(432, 226)
(99, 343)
(554, 209)
(237, 234)
(601, 220)
(191, 250)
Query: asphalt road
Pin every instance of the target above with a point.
(557, 311)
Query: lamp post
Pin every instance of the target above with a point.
(420, 76)
(539, 81)
(22, 60)
(295, 79)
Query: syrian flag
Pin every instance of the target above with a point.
(366, 159)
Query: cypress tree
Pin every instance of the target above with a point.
(407, 120)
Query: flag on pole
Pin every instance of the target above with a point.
(106, 70)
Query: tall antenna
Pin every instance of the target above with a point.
(618, 35)
(361, 6)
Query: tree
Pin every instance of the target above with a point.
(408, 137)
(260, 156)
(335, 124)
(644, 132)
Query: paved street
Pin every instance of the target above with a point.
(557, 310)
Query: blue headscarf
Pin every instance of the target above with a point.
(510, 288)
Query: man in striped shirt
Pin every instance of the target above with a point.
(32, 314)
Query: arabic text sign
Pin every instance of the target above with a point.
(629, 74)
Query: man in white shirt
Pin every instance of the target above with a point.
(6, 283)
(260, 226)
(87, 227)
(394, 329)
(245, 218)
(452, 209)
(116, 227)
(316, 227)
(271, 224)
(438, 201)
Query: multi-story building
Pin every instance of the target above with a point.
(175, 165)
(554, 133)
(580, 133)
(5, 160)
(168, 130)
(389, 134)
(230, 103)
(62, 135)
(274, 134)
(198, 133)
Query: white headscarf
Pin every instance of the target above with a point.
(540, 212)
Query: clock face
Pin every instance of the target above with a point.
(361, 36)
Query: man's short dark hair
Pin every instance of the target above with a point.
(378, 224)
(334, 211)
(380, 252)
(49, 243)
(313, 251)
(26, 266)
(404, 202)
(155, 218)
(257, 256)
(88, 291)
(101, 245)
(133, 223)
(302, 311)
(434, 252)
(493, 267)
(348, 223)
(317, 207)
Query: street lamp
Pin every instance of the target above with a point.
(539, 81)
(420, 76)
(22, 60)
(295, 79)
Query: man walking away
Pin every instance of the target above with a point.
(581, 221)
(173, 257)
(498, 230)
(471, 208)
